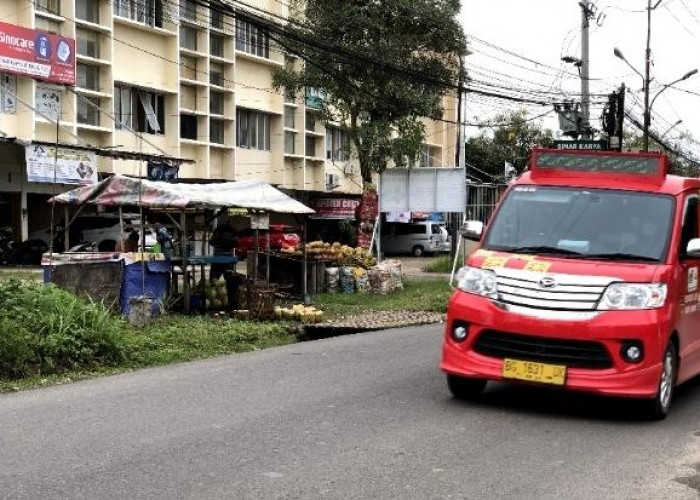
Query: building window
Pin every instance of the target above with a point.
(310, 122)
(216, 74)
(8, 90)
(50, 6)
(188, 38)
(289, 96)
(428, 157)
(188, 68)
(311, 147)
(290, 139)
(47, 25)
(289, 118)
(337, 144)
(252, 130)
(188, 10)
(149, 12)
(216, 131)
(188, 127)
(216, 45)
(88, 77)
(48, 102)
(217, 19)
(88, 10)
(88, 43)
(216, 103)
(252, 39)
(89, 111)
(139, 110)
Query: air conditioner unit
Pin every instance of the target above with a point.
(332, 181)
(349, 169)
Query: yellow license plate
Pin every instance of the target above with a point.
(534, 372)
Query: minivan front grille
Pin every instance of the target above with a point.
(571, 353)
(564, 293)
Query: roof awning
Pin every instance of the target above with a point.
(120, 190)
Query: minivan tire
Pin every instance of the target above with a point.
(418, 251)
(658, 408)
(465, 389)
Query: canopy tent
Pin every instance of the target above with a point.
(119, 190)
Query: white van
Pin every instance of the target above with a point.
(417, 238)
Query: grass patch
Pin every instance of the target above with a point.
(184, 338)
(442, 264)
(50, 336)
(429, 295)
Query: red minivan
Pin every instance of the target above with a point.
(586, 278)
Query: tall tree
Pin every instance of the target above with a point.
(510, 139)
(382, 65)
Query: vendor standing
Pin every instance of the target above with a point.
(224, 239)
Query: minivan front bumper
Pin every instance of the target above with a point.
(601, 334)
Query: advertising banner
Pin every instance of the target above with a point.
(37, 54)
(71, 167)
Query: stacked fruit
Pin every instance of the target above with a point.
(299, 312)
(336, 254)
(216, 294)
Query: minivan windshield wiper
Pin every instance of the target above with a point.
(537, 249)
(619, 256)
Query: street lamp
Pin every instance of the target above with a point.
(670, 128)
(648, 105)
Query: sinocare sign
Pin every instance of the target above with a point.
(37, 54)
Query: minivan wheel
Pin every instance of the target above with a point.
(657, 408)
(418, 251)
(464, 388)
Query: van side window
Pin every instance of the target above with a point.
(690, 225)
(436, 229)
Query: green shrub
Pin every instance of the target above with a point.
(46, 330)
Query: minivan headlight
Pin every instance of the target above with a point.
(477, 281)
(633, 296)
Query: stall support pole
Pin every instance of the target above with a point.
(305, 285)
(66, 229)
(267, 257)
(121, 228)
(257, 250)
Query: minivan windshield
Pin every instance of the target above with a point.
(583, 223)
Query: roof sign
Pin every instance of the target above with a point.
(643, 164)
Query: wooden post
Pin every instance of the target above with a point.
(121, 228)
(66, 229)
(305, 285)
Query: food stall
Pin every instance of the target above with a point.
(181, 199)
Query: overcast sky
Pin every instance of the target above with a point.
(546, 30)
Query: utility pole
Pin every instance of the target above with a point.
(587, 13)
(647, 64)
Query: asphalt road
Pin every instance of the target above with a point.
(362, 416)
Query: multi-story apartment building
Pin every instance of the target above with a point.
(171, 77)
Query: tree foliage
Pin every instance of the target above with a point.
(511, 139)
(381, 64)
(678, 162)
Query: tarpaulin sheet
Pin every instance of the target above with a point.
(120, 190)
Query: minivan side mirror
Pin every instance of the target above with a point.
(693, 249)
(473, 229)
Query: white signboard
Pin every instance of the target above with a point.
(71, 167)
(48, 102)
(423, 190)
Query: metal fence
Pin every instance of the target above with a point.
(482, 200)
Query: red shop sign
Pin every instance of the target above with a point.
(335, 207)
(37, 54)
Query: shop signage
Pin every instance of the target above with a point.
(335, 208)
(37, 54)
(398, 216)
(582, 145)
(71, 166)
